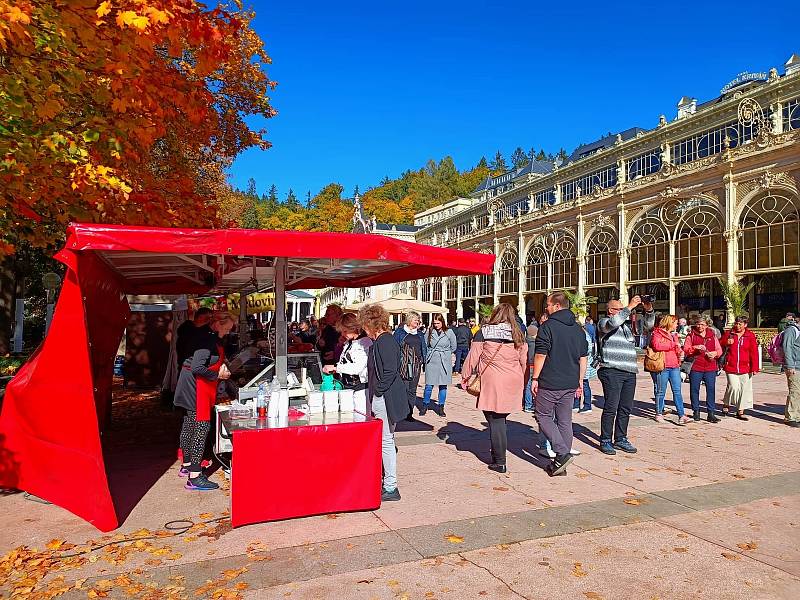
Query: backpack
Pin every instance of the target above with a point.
(775, 349)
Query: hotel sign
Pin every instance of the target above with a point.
(743, 77)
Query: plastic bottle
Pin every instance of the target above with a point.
(261, 402)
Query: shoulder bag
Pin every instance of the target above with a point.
(474, 386)
(654, 361)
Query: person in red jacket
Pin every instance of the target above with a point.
(664, 339)
(703, 347)
(741, 363)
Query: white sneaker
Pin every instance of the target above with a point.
(547, 452)
(576, 410)
(583, 411)
(575, 452)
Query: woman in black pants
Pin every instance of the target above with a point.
(196, 392)
(412, 344)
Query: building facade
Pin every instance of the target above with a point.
(713, 193)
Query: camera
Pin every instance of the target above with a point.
(646, 299)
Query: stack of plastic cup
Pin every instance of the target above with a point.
(331, 401)
(315, 403)
(346, 402)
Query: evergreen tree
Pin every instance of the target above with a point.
(562, 154)
(519, 158)
(251, 188)
(308, 197)
(273, 194)
(498, 164)
(541, 155)
(292, 203)
(250, 218)
(356, 192)
(482, 164)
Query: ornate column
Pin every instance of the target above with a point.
(622, 171)
(581, 254)
(730, 235)
(622, 253)
(777, 117)
(557, 193)
(459, 297)
(521, 276)
(496, 274)
(672, 282)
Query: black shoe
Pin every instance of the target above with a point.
(560, 463)
(696, 416)
(387, 496)
(441, 412)
(423, 410)
(549, 469)
(497, 468)
(713, 419)
(793, 423)
(410, 418)
(625, 446)
(741, 416)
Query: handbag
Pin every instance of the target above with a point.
(653, 361)
(474, 386)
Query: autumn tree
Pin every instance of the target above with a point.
(292, 203)
(123, 111)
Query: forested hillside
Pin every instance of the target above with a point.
(393, 201)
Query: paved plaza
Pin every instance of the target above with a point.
(702, 511)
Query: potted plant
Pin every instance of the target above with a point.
(579, 303)
(735, 295)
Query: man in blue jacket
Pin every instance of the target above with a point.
(559, 366)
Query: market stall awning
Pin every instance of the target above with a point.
(55, 409)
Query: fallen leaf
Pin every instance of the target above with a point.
(747, 546)
(365, 581)
(731, 556)
(55, 544)
(331, 516)
(454, 539)
(206, 515)
(593, 596)
(680, 550)
(500, 489)
(632, 501)
(578, 571)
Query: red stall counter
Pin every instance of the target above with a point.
(287, 468)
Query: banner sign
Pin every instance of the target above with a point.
(256, 303)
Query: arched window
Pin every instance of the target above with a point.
(649, 258)
(486, 285)
(452, 288)
(536, 268)
(509, 272)
(699, 246)
(768, 235)
(565, 266)
(602, 261)
(468, 286)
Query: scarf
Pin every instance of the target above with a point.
(409, 330)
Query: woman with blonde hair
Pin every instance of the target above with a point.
(665, 339)
(414, 351)
(386, 390)
(196, 392)
(351, 369)
(499, 355)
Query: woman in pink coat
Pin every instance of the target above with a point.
(499, 354)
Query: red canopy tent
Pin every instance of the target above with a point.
(54, 410)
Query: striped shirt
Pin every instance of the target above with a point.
(616, 342)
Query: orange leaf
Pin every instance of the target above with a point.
(103, 9)
(748, 546)
(454, 539)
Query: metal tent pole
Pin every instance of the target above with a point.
(281, 342)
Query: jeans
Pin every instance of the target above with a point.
(461, 355)
(497, 435)
(619, 388)
(672, 376)
(654, 377)
(710, 377)
(426, 396)
(388, 449)
(587, 397)
(527, 395)
(554, 415)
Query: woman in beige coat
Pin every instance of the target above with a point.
(499, 354)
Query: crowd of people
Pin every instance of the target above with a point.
(543, 368)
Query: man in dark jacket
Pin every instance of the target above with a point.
(463, 340)
(559, 366)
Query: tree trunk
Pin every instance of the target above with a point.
(8, 288)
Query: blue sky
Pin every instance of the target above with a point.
(369, 89)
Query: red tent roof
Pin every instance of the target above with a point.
(55, 408)
(154, 260)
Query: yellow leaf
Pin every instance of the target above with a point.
(680, 550)
(103, 9)
(206, 515)
(578, 571)
(454, 539)
(141, 533)
(131, 19)
(593, 596)
(748, 546)
(632, 501)
(55, 544)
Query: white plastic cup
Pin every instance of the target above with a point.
(272, 407)
(360, 401)
(331, 400)
(283, 403)
(346, 401)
